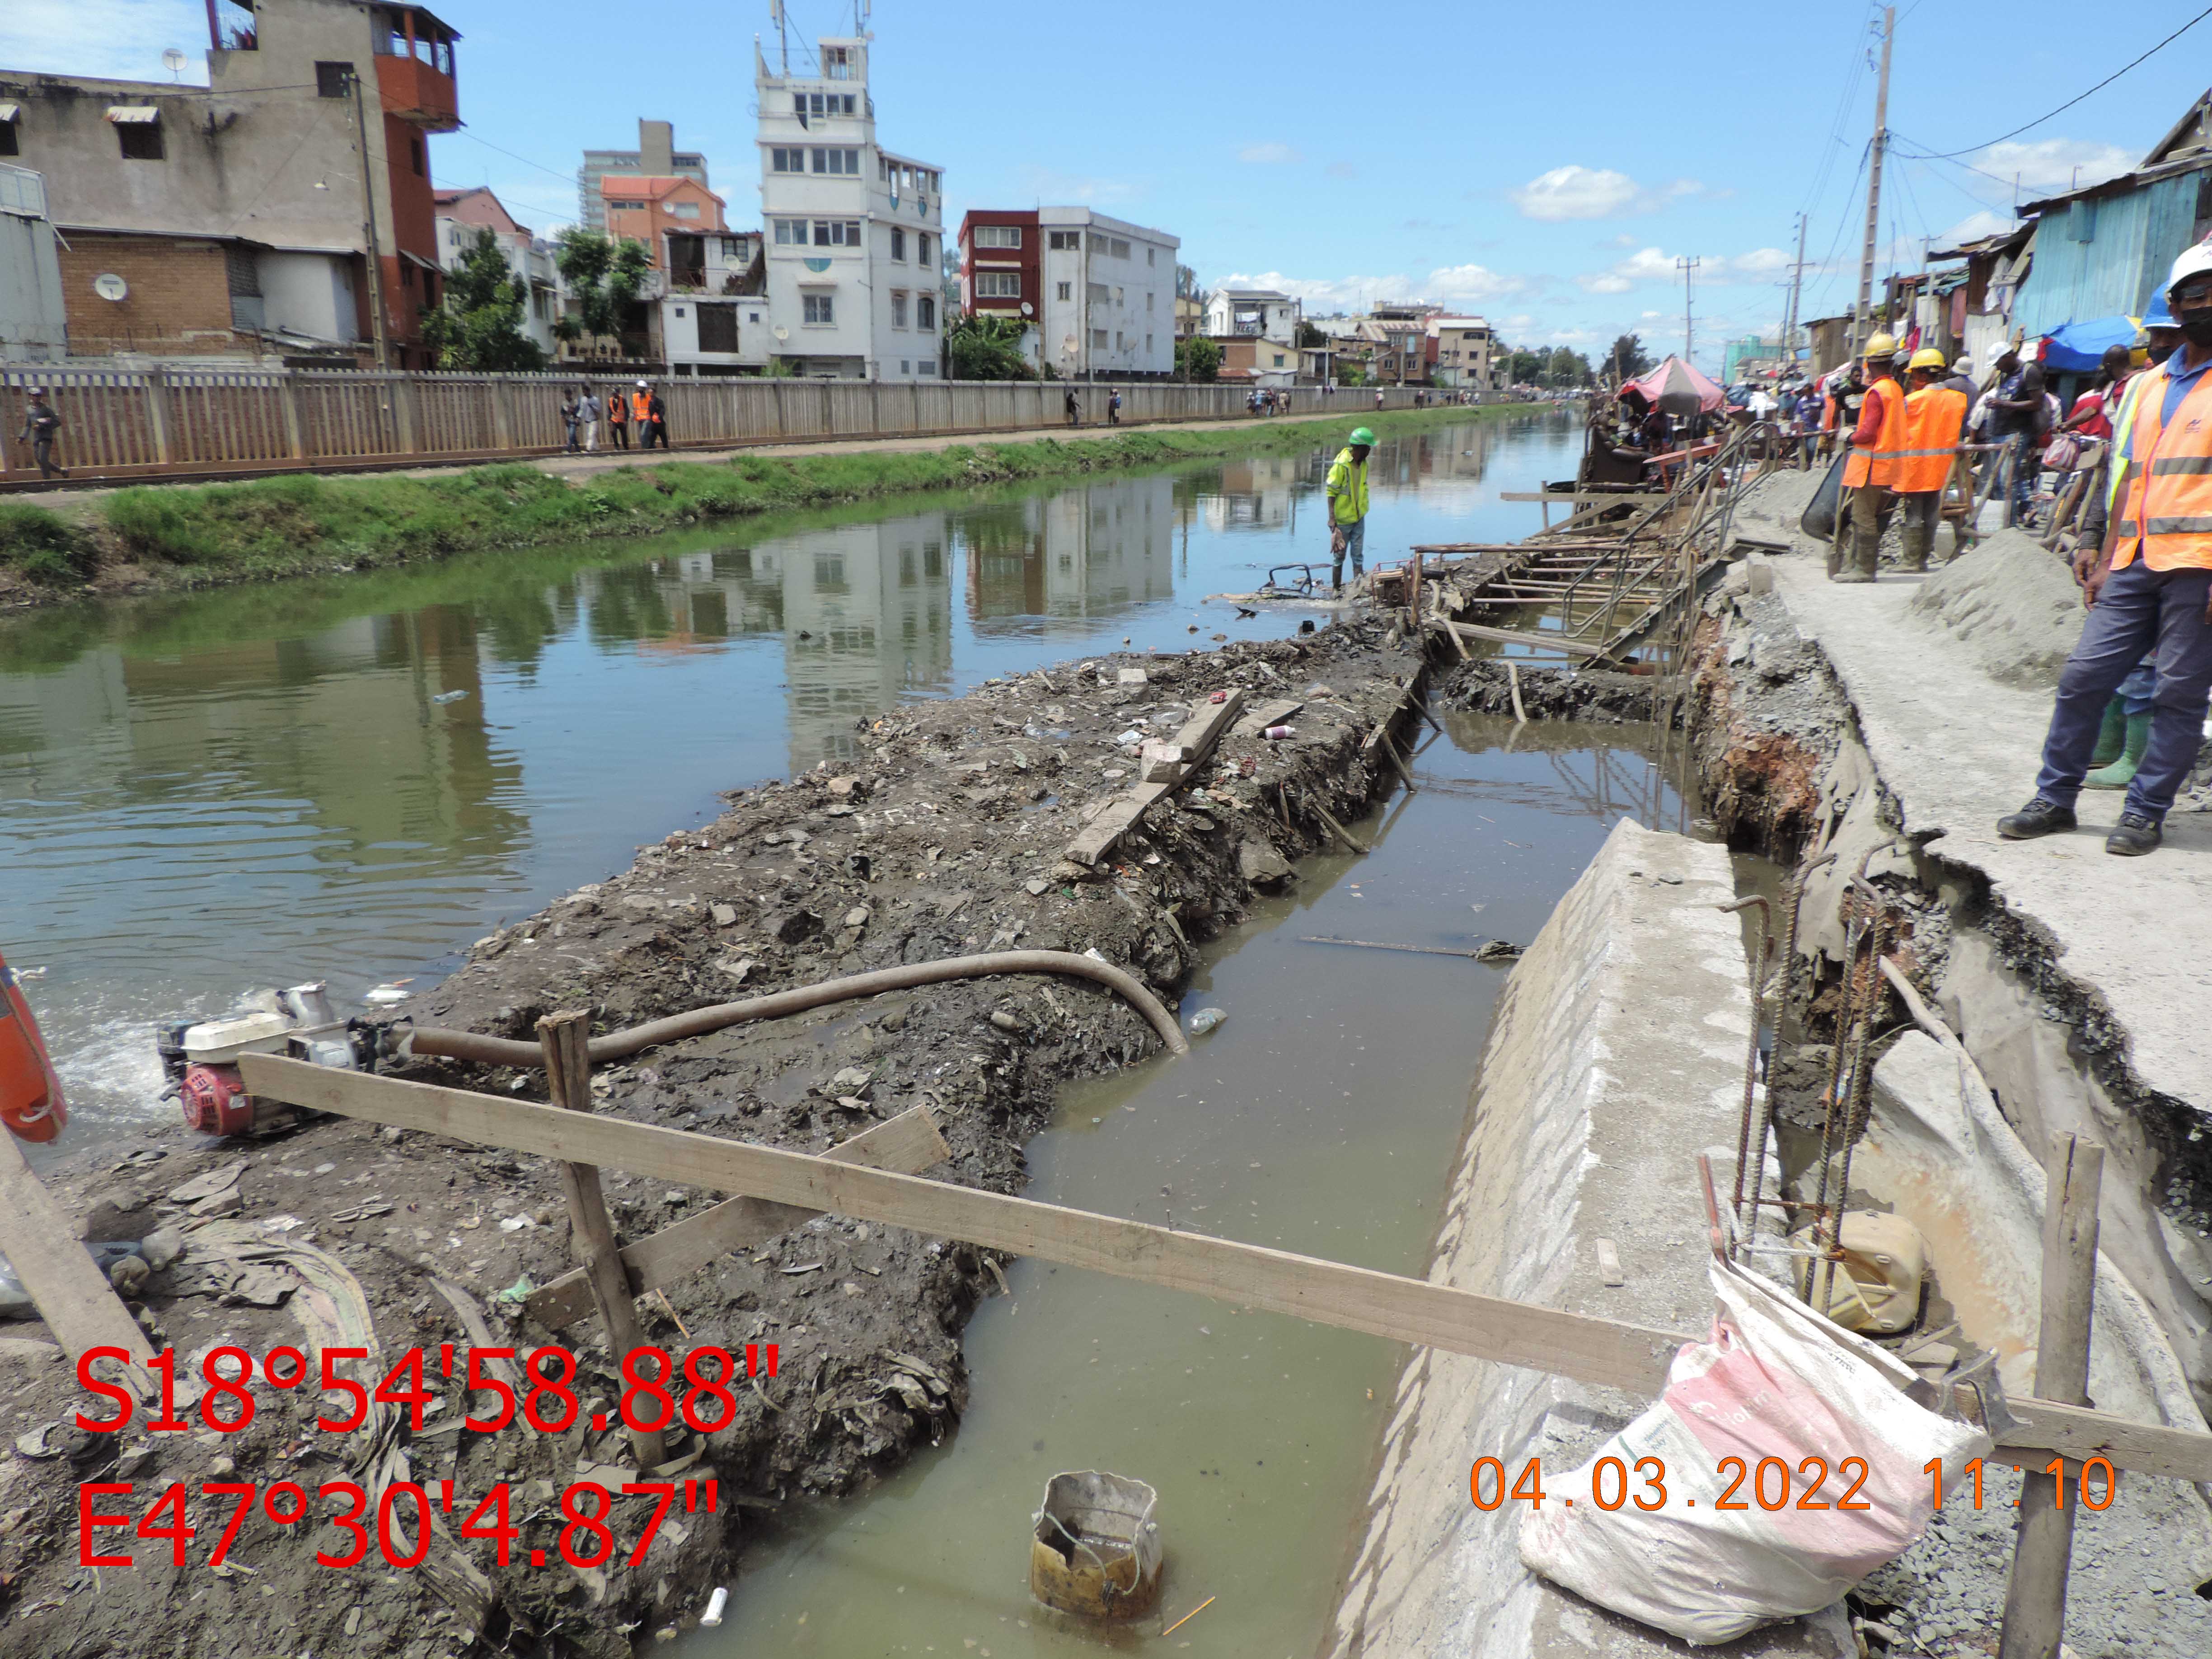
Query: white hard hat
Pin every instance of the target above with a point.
(2193, 261)
(641, 383)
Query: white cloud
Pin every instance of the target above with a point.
(1974, 227)
(1475, 282)
(2051, 164)
(1580, 192)
(117, 39)
(1342, 170)
(1759, 262)
(1269, 154)
(1653, 264)
(1046, 185)
(1606, 282)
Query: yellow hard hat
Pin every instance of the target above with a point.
(1926, 357)
(1881, 345)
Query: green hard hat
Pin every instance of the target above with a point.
(1361, 434)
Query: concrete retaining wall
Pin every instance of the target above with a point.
(1616, 1056)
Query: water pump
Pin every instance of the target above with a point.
(201, 1056)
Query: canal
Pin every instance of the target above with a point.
(350, 779)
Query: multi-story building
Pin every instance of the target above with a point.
(851, 231)
(1109, 302)
(1253, 312)
(1002, 273)
(1461, 354)
(465, 213)
(673, 217)
(655, 157)
(230, 221)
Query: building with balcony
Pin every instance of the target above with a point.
(656, 157)
(1253, 312)
(672, 216)
(851, 232)
(1461, 354)
(251, 218)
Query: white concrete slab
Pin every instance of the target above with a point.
(1959, 750)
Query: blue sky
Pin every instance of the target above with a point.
(1543, 165)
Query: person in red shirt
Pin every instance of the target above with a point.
(2091, 416)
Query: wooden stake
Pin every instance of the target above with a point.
(2035, 1594)
(1513, 679)
(569, 1072)
(1391, 750)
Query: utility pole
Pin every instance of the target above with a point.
(1686, 267)
(1859, 322)
(368, 226)
(1797, 286)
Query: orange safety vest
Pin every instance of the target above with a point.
(1934, 417)
(2169, 496)
(1878, 465)
(640, 404)
(617, 410)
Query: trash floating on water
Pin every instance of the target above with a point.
(391, 991)
(450, 697)
(1205, 1019)
(1094, 1547)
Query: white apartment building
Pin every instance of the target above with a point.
(1109, 291)
(852, 232)
(1253, 312)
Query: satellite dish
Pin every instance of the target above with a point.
(173, 61)
(109, 286)
(782, 332)
(1027, 310)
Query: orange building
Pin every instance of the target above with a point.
(669, 216)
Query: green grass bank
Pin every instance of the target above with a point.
(174, 537)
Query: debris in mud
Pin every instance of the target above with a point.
(1483, 687)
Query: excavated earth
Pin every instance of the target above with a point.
(947, 839)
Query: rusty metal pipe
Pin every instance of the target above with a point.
(618, 1045)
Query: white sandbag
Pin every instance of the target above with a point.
(1775, 1382)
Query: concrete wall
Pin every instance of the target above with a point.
(310, 294)
(1617, 1056)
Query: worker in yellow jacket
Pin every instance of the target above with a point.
(1870, 472)
(1346, 490)
(1935, 414)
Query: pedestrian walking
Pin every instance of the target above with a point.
(655, 429)
(617, 420)
(569, 400)
(40, 427)
(1073, 408)
(2147, 584)
(1346, 492)
(587, 420)
(2017, 421)
(1114, 409)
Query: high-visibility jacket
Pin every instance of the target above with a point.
(641, 405)
(1877, 463)
(2123, 425)
(1347, 489)
(618, 409)
(2167, 504)
(1933, 417)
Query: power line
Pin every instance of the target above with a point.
(2070, 102)
(568, 177)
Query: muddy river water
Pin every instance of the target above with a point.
(350, 779)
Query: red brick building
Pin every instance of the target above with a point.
(1001, 263)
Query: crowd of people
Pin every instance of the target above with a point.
(582, 409)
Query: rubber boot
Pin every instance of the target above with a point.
(1864, 551)
(2122, 772)
(1914, 538)
(2111, 736)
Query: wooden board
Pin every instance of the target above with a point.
(1597, 1351)
(1518, 636)
(1199, 735)
(72, 1295)
(909, 1143)
(1274, 712)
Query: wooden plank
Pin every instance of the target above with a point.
(2043, 1547)
(1274, 712)
(909, 1143)
(71, 1294)
(1199, 735)
(566, 1037)
(1513, 636)
(1591, 1350)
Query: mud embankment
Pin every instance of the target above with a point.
(944, 835)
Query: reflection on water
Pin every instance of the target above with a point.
(350, 779)
(1322, 1118)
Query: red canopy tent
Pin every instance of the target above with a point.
(1677, 388)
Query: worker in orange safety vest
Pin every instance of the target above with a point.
(1870, 472)
(1935, 414)
(2147, 584)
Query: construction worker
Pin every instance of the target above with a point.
(2148, 582)
(641, 410)
(1935, 414)
(1870, 473)
(1347, 507)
